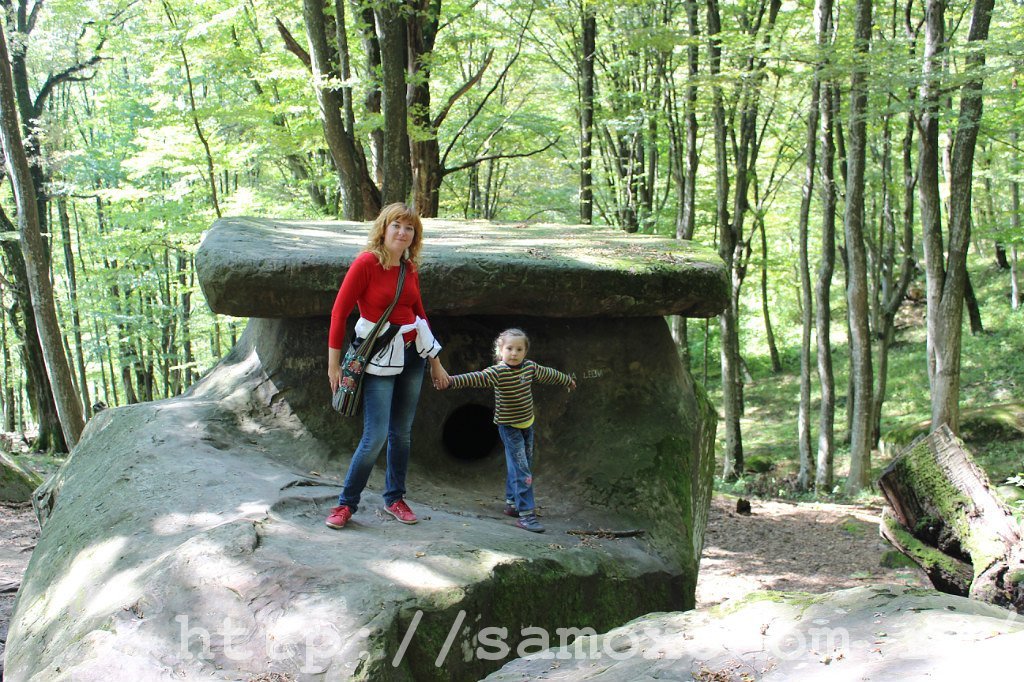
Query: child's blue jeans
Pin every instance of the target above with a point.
(389, 406)
(519, 460)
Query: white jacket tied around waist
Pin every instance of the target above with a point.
(390, 359)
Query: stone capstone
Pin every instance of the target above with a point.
(250, 267)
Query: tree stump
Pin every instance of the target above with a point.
(945, 517)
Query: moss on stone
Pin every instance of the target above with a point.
(800, 600)
(520, 597)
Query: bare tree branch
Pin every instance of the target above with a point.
(292, 45)
(473, 80)
(33, 16)
(68, 75)
(501, 77)
(479, 160)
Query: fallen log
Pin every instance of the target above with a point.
(945, 517)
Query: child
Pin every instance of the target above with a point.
(511, 379)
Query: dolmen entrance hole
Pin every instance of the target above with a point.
(469, 434)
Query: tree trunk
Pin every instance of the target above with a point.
(76, 318)
(973, 309)
(823, 13)
(773, 350)
(8, 386)
(857, 290)
(728, 320)
(947, 271)
(69, 408)
(1015, 292)
(425, 151)
(945, 517)
(360, 197)
(587, 78)
(894, 289)
(391, 32)
(186, 266)
(37, 383)
(687, 177)
(825, 459)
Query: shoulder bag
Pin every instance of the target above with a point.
(349, 395)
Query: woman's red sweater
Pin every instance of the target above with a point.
(372, 287)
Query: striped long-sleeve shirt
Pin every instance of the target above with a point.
(513, 399)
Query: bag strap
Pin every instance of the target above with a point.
(372, 336)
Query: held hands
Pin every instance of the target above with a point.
(439, 376)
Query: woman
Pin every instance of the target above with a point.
(391, 386)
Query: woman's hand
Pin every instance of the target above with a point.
(439, 375)
(334, 368)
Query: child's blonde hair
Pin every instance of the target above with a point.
(510, 333)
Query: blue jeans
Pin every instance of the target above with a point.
(519, 461)
(389, 406)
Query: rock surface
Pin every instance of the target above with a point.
(865, 633)
(186, 541)
(250, 267)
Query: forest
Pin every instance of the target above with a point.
(856, 165)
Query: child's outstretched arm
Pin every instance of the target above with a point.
(486, 378)
(549, 375)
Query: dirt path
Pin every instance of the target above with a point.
(780, 546)
(807, 547)
(18, 533)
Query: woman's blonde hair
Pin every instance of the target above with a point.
(510, 333)
(388, 215)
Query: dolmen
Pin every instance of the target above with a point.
(185, 538)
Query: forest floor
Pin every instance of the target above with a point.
(18, 534)
(788, 546)
(793, 547)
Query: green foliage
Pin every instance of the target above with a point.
(122, 146)
(992, 374)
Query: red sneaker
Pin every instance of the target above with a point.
(400, 510)
(339, 516)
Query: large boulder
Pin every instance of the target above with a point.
(185, 538)
(864, 633)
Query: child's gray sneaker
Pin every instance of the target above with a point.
(529, 522)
